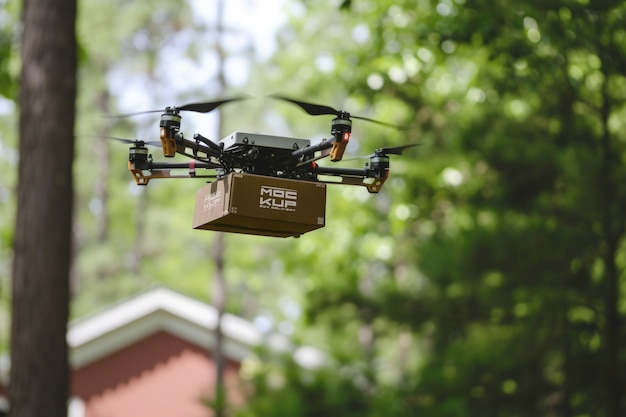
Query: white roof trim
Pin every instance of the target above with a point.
(129, 321)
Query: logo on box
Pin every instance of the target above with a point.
(211, 200)
(275, 198)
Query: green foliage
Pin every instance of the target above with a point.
(283, 388)
(500, 242)
(9, 15)
(130, 238)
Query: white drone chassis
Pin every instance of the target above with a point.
(238, 138)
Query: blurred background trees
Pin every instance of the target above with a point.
(488, 276)
(490, 273)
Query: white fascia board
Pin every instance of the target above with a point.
(132, 320)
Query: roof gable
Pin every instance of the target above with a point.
(160, 309)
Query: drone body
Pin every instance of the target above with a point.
(263, 184)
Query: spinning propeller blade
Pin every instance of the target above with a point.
(310, 108)
(208, 106)
(321, 110)
(133, 142)
(203, 107)
(395, 150)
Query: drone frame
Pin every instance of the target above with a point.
(272, 156)
(301, 163)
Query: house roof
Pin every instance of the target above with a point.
(160, 309)
(96, 336)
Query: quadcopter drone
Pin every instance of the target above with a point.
(290, 161)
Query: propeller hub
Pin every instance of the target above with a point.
(172, 110)
(170, 118)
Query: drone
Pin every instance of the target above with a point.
(262, 184)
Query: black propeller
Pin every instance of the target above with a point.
(133, 142)
(395, 150)
(204, 107)
(320, 110)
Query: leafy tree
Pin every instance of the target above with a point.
(500, 246)
(110, 223)
(40, 302)
(7, 40)
(8, 156)
(285, 388)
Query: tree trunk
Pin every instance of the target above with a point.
(39, 355)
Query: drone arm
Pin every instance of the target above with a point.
(143, 175)
(342, 172)
(197, 147)
(310, 150)
(366, 177)
(183, 165)
(198, 137)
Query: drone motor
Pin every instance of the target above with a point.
(170, 126)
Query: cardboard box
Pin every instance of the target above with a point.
(260, 205)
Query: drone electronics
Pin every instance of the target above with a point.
(262, 184)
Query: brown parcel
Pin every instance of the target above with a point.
(260, 205)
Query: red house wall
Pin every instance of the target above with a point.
(159, 376)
